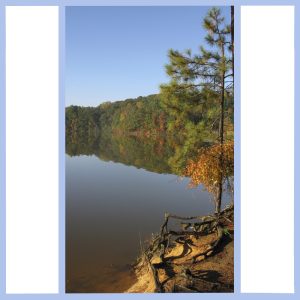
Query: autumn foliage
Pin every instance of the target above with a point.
(212, 165)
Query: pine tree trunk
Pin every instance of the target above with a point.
(222, 100)
(221, 139)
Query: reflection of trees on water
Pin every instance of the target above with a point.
(162, 154)
(207, 165)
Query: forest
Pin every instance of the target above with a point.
(148, 116)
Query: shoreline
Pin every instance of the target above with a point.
(179, 271)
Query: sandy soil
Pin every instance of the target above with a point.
(211, 274)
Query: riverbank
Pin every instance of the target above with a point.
(184, 269)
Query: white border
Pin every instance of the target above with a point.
(32, 149)
(267, 149)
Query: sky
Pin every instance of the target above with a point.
(115, 53)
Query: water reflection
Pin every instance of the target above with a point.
(117, 191)
(167, 154)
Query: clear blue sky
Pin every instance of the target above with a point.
(114, 53)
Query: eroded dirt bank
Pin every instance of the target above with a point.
(184, 267)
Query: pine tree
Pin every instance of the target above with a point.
(204, 79)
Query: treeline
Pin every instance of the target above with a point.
(142, 117)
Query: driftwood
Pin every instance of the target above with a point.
(160, 242)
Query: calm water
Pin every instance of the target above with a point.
(110, 207)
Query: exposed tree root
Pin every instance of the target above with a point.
(160, 244)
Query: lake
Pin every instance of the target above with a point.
(112, 204)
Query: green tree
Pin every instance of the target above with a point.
(201, 86)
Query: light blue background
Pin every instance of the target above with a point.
(62, 5)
